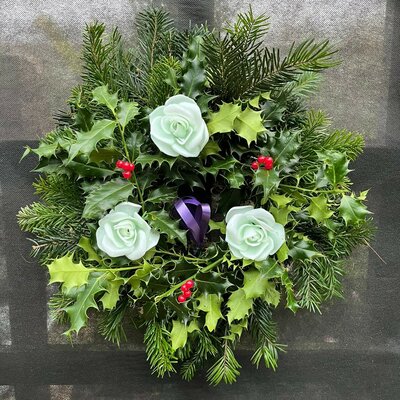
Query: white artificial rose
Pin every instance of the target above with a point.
(123, 232)
(252, 233)
(177, 128)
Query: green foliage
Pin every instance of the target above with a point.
(211, 305)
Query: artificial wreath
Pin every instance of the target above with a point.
(189, 190)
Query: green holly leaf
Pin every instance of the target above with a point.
(147, 160)
(161, 221)
(221, 165)
(269, 268)
(102, 96)
(235, 179)
(211, 305)
(336, 166)
(269, 180)
(211, 282)
(162, 194)
(283, 148)
(85, 300)
(193, 326)
(179, 335)
(281, 214)
(217, 226)
(194, 78)
(281, 200)
(304, 250)
(84, 243)
(255, 284)
(83, 170)
(45, 150)
(86, 142)
(248, 124)
(65, 271)
(271, 295)
(111, 297)
(222, 120)
(239, 305)
(291, 302)
(108, 155)
(211, 148)
(352, 210)
(106, 197)
(318, 208)
(283, 253)
(127, 111)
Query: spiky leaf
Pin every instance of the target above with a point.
(248, 125)
(211, 305)
(239, 305)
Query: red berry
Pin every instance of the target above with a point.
(126, 165)
(131, 167)
(261, 159)
(268, 163)
(181, 298)
(255, 165)
(187, 294)
(184, 288)
(119, 163)
(127, 174)
(189, 284)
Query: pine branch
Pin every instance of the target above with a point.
(158, 348)
(352, 144)
(57, 304)
(111, 323)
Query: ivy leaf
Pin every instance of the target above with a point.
(271, 295)
(102, 96)
(336, 166)
(248, 124)
(227, 164)
(318, 208)
(83, 170)
(211, 282)
(147, 160)
(105, 197)
(162, 194)
(211, 305)
(161, 221)
(67, 272)
(179, 335)
(193, 80)
(235, 179)
(352, 210)
(111, 297)
(85, 300)
(84, 243)
(239, 306)
(86, 142)
(304, 250)
(269, 180)
(127, 111)
(222, 120)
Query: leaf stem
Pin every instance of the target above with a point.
(178, 285)
(180, 255)
(312, 190)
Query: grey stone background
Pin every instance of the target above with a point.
(352, 351)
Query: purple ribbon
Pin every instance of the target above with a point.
(195, 216)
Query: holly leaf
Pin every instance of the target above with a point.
(127, 111)
(248, 124)
(211, 282)
(211, 305)
(221, 165)
(86, 142)
(217, 226)
(269, 180)
(291, 302)
(336, 166)
(106, 197)
(222, 120)
(271, 295)
(162, 194)
(102, 96)
(111, 297)
(83, 170)
(318, 208)
(147, 160)
(239, 306)
(283, 148)
(281, 214)
(161, 221)
(85, 300)
(108, 155)
(194, 78)
(179, 335)
(281, 200)
(65, 271)
(255, 284)
(210, 148)
(269, 268)
(352, 210)
(193, 326)
(235, 179)
(283, 253)
(304, 250)
(84, 243)
(45, 150)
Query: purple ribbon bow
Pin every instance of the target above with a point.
(195, 216)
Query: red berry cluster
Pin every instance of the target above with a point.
(127, 167)
(266, 161)
(186, 292)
